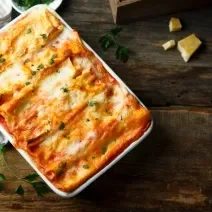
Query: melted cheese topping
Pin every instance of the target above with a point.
(60, 104)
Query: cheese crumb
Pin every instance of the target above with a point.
(175, 25)
(188, 46)
(168, 45)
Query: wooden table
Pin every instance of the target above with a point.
(172, 169)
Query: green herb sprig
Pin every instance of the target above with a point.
(65, 90)
(30, 3)
(62, 126)
(92, 103)
(33, 179)
(110, 40)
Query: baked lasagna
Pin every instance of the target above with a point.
(59, 103)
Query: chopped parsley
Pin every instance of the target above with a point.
(51, 61)
(41, 66)
(61, 168)
(2, 60)
(58, 71)
(92, 103)
(44, 36)
(85, 166)
(67, 137)
(104, 150)
(87, 120)
(34, 73)
(62, 126)
(121, 118)
(65, 90)
(27, 83)
(54, 56)
(28, 31)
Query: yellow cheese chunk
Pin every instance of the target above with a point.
(168, 45)
(175, 25)
(188, 46)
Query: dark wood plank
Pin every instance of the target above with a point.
(170, 171)
(130, 10)
(156, 76)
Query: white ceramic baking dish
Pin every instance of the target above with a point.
(7, 136)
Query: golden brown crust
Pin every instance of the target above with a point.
(66, 111)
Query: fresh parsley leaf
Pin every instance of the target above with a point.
(122, 53)
(44, 36)
(58, 71)
(104, 150)
(85, 166)
(2, 148)
(62, 126)
(19, 190)
(41, 188)
(28, 31)
(115, 32)
(110, 39)
(106, 42)
(27, 83)
(41, 66)
(2, 60)
(31, 177)
(65, 90)
(2, 177)
(92, 103)
(87, 120)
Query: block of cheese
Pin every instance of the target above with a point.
(168, 45)
(175, 25)
(188, 46)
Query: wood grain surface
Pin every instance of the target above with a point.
(126, 11)
(172, 169)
